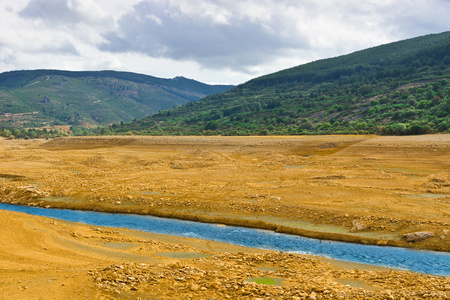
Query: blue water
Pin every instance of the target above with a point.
(436, 263)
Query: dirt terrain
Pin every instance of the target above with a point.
(41, 258)
(363, 189)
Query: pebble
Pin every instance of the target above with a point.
(224, 276)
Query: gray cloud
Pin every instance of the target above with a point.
(417, 18)
(67, 12)
(51, 11)
(64, 48)
(159, 29)
(7, 55)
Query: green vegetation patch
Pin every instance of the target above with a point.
(427, 196)
(63, 199)
(266, 281)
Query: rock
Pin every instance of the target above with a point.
(357, 226)
(418, 236)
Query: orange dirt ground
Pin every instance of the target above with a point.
(363, 189)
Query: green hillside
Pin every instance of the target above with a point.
(52, 97)
(397, 88)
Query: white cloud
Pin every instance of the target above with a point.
(208, 40)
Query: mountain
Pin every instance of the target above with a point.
(397, 88)
(53, 97)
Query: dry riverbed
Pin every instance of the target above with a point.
(364, 189)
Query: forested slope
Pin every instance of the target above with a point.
(53, 97)
(397, 88)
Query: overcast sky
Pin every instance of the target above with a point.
(213, 41)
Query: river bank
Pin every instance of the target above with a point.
(426, 262)
(359, 189)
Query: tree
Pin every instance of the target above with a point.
(213, 125)
(306, 125)
(399, 129)
(361, 126)
(7, 133)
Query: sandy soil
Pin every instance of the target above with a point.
(363, 189)
(41, 258)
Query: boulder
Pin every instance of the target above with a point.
(418, 236)
(357, 226)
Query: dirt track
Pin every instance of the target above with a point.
(382, 187)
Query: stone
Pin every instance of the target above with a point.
(357, 226)
(418, 236)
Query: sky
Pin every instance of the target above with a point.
(212, 41)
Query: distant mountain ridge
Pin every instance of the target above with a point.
(397, 88)
(48, 97)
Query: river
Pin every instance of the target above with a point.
(429, 262)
